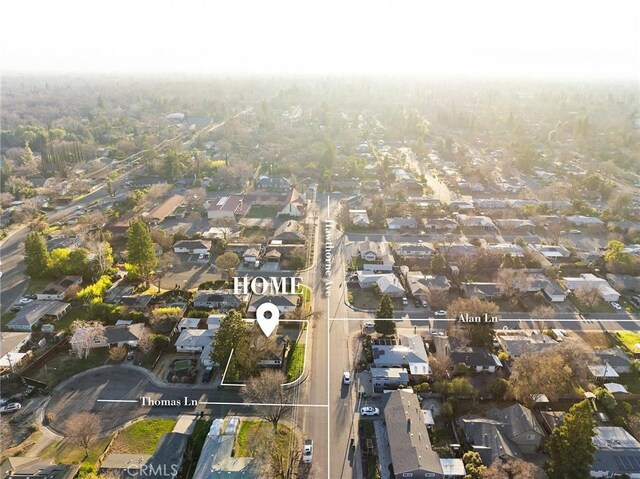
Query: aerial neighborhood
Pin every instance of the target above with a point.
(466, 269)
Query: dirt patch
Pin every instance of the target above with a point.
(595, 339)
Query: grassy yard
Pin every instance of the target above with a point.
(630, 340)
(142, 437)
(74, 313)
(251, 429)
(601, 307)
(263, 211)
(68, 452)
(631, 381)
(595, 339)
(37, 285)
(63, 366)
(364, 298)
(5, 319)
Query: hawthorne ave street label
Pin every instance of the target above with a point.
(485, 318)
(186, 402)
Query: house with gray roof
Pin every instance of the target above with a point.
(421, 285)
(477, 359)
(34, 312)
(485, 291)
(411, 452)
(617, 453)
(221, 300)
(614, 358)
(489, 439)
(414, 250)
(521, 426)
(409, 352)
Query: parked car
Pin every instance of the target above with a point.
(369, 411)
(616, 306)
(369, 325)
(575, 232)
(424, 304)
(16, 307)
(206, 376)
(307, 451)
(11, 407)
(405, 301)
(440, 314)
(25, 300)
(346, 378)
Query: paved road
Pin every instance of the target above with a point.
(82, 393)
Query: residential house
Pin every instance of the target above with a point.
(376, 255)
(121, 226)
(484, 291)
(226, 208)
(10, 346)
(293, 206)
(617, 453)
(414, 250)
(187, 323)
(192, 246)
(551, 289)
(401, 223)
(518, 343)
(603, 372)
(58, 290)
(250, 256)
(421, 285)
(164, 210)
(33, 313)
(359, 218)
(367, 279)
(521, 426)
(452, 251)
(194, 340)
(491, 203)
(591, 281)
(139, 302)
(221, 300)
(489, 438)
(552, 253)
(114, 336)
(388, 378)
(410, 351)
(483, 222)
(515, 225)
(390, 284)
(614, 358)
(477, 359)
(216, 456)
(622, 282)
(286, 303)
(275, 183)
(506, 248)
(440, 224)
(580, 220)
(36, 468)
(410, 447)
(290, 232)
(272, 256)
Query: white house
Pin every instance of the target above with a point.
(415, 250)
(194, 340)
(293, 205)
(192, 246)
(401, 223)
(58, 290)
(10, 345)
(187, 323)
(588, 280)
(359, 217)
(580, 220)
(389, 284)
(225, 207)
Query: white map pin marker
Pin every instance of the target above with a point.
(268, 325)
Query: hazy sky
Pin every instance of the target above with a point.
(557, 38)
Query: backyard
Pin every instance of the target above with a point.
(67, 451)
(630, 340)
(252, 429)
(62, 366)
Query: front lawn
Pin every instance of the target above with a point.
(631, 381)
(67, 451)
(74, 313)
(37, 285)
(142, 437)
(630, 340)
(364, 298)
(251, 429)
(6, 318)
(62, 366)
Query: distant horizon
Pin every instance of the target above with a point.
(493, 39)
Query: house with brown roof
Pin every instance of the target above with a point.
(225, 207)
(294, 205)
(164, 210)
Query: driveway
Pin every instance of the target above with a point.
(81, 394)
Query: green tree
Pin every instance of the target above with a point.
(109, 184)
(233, 334)
(227, 262)
(499, 388)
(36, 256)
(606, 399)
(473, 465)
(94, 293)
(141, 255)
(570, 446)
(384, 324)
(174, 166)
(615, 252)
(438, 263)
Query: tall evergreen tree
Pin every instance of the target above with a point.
(570, 446)
(36, 255)
(233, 334)
(385, 311)
(140, 249)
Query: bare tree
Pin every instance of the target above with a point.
(513, 469)
(512, 283)
(86, 334)
(541, 313)
(590, 297)
(266, 388)
(83, 428)
(117, 353)
(437, 298)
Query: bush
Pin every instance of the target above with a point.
(499, 388)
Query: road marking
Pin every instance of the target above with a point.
(251, 404)
(118, 400)
(499, 321)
